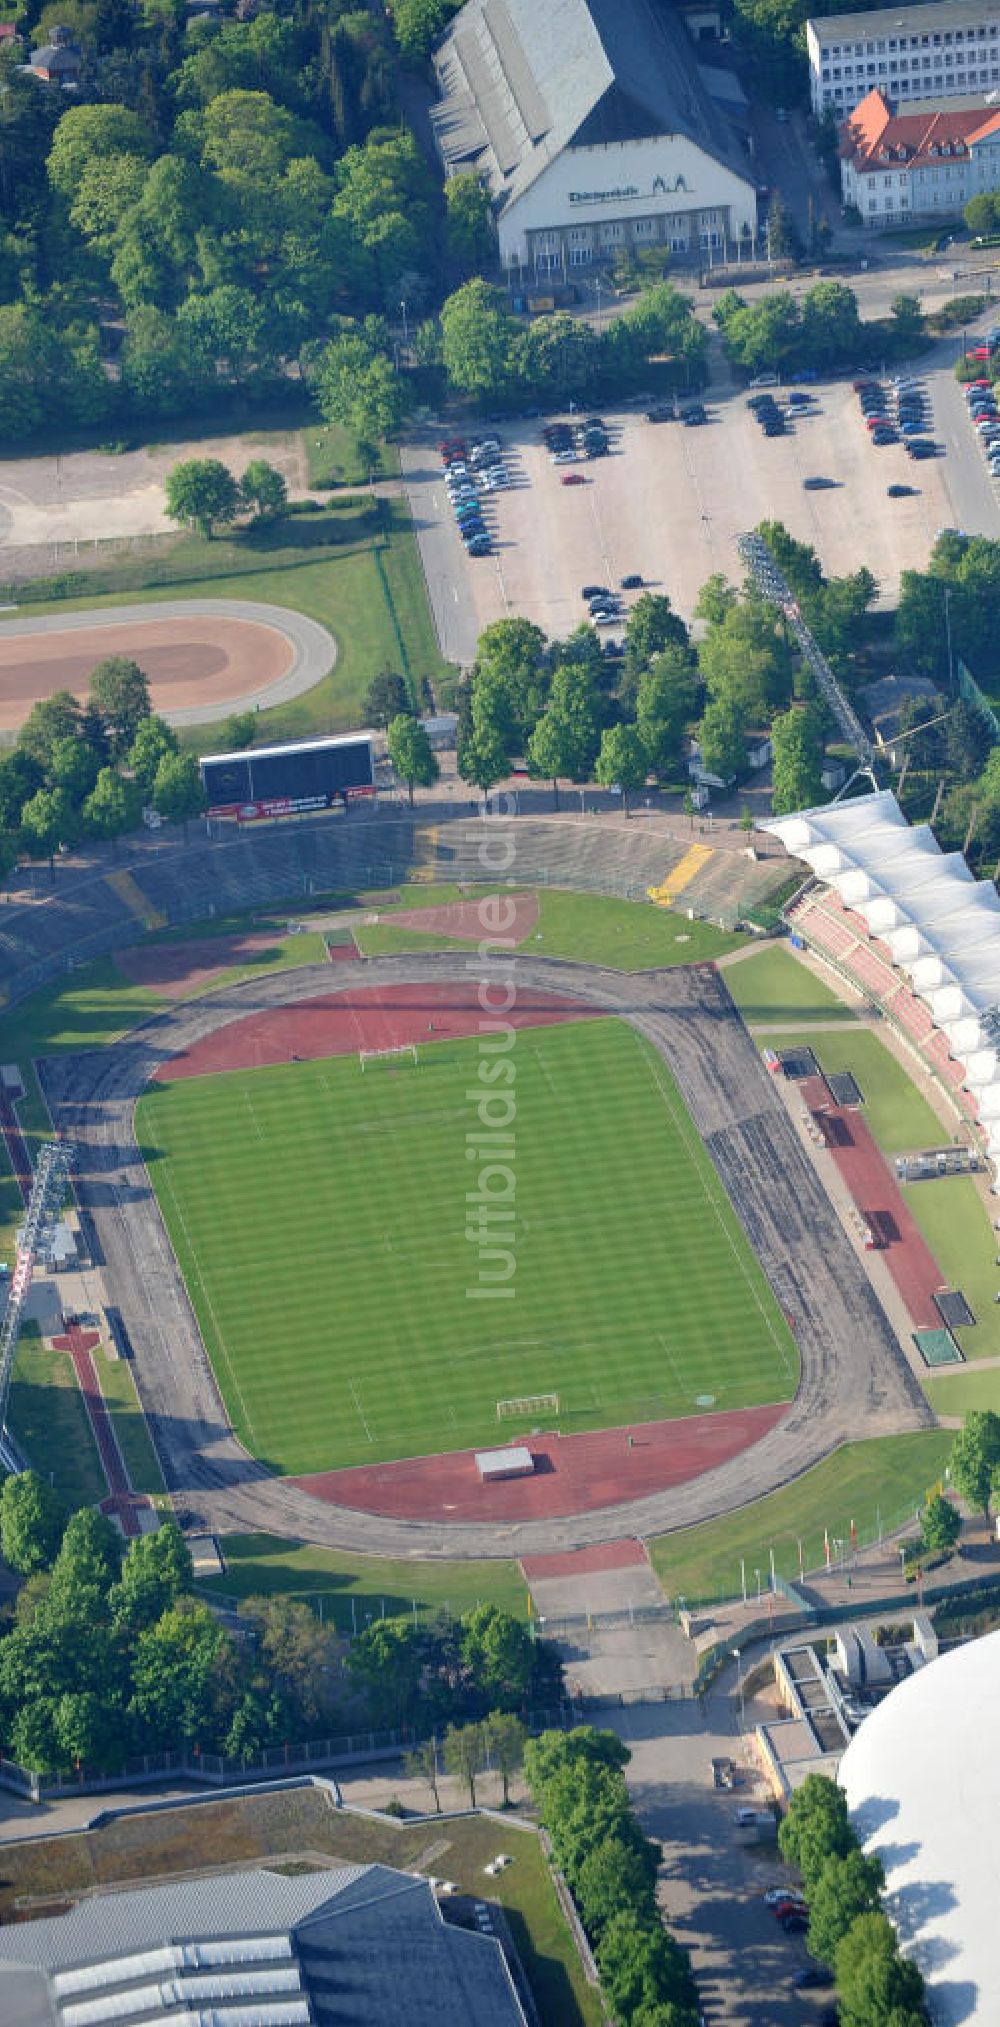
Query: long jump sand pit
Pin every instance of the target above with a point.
(202, 657)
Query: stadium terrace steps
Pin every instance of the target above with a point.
(128, 890)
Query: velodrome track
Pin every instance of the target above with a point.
(854, 1381)
(230, 654)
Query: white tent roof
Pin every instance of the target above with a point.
(922, 1780)
(941, 925)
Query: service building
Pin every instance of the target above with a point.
(923, 161)
(595, 130)
(934, 50)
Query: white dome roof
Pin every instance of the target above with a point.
(922, 1780)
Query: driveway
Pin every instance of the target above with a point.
(713, 1875)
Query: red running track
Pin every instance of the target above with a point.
(573, 1474)
(585, 1562)
(122, 1502)
(876, 1193)
(370, 1017)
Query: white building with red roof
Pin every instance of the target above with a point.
(925, 162)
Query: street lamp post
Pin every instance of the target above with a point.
(406, 331)
(947, 628)
(739, 1680)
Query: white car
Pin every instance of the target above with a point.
(764, 380)
(565, 457)
(776, 1894)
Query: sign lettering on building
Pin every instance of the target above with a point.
(663, 186)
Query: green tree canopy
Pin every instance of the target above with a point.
(842, 1889)
(119, 693)
(263, 491)
(468, 215)
(465, 1754)
(622, 761)
(975, 1457)
(477, 340)
(565, 737)
(357, 385)
(940, 1523)
(89, 132)
(722, 738)
(816, 1827)
(877, 1986)
(110, 808)
(178, 794)
(31, 1522)
(201, 491)
(387, 697)
(798, 759)
(410, 752)
(153, 739)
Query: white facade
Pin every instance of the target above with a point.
(593, 203)
(941, 925)
(922, 1780)
(896, 181)
(936, 50)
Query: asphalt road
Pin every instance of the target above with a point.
(854, 1381)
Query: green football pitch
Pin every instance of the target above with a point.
(318, 1212)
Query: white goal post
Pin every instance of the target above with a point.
(405, 1049)
(528, 1404)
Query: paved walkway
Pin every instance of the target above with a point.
(314, 650)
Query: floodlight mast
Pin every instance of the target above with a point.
(48, 1191)
(774, 587)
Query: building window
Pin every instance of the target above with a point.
(644, 228)
(546, 263)
(580, 256)
(613, 233)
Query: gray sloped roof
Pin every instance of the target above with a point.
(371, 1944)
(523, 80)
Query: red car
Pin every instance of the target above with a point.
(572, 479)
(453, 446)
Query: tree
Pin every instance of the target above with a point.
(153, 739)
(908, 322)
(50, 720)
(614, 1879)
(303, 1656)
(798, 760)
(418, 23)
(816, 1827)
(31, 1522)
(665, 705)
(747, 662)
(652, 625)
(468, 218)
(88, 132)
(201, 491)
(975, 1457)
(477, 336)
(48, 820)
(178, 794)
(641, 1966)
(262, 489)
(180, 1675)
(564, 740)
(411, 754)
(716, 597)
(387, 697)
(239, 731)
(505, 1738)
(843, 1889)
(357, 385)
(722, 739)
(387, 1659)
(982, 214)
(155, 1572)
(622, 761)
(831, 328)
(483, 759)
(109, 810)
(73, 766)
(464, 1748)
(940, 1524)
(498, 1649)
(422, 1765)
(877, 1987)
(119, 693)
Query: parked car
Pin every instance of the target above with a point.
(565, 457)
(920, 447)
(661, 413)
(798, 400)
(817, 484)
(694, 415)
(764, 380)
(774, 426)
(776, 1894)
(633, 582)
(595, 591)
(795, 1923)
(815, 1978)
(606, 618)
(900, 492)
(479, 545)
(572, 479)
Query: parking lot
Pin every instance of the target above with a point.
(669, 503)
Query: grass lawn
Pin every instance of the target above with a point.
(134, 1442)
(336, 1311)
(260, 1564)
(333, 458)
(862, 1482)
(369, 593)
(773, 985)
(49, 1421)
(94, 1007)
(967, 1390)
(953, 1219)
(622, 935)
(894, 1110)
(231, 1831)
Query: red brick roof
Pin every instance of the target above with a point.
(874, 136)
